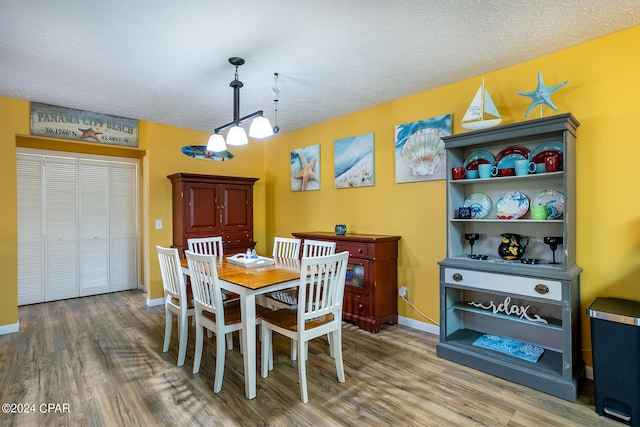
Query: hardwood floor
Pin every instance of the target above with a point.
(100, 360)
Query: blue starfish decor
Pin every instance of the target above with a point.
(542, 95)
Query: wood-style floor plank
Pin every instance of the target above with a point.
(102, 356)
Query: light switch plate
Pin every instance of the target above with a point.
(158, 224)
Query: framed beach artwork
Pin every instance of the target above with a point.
(420, 153)
(353, 161)
(305, 168)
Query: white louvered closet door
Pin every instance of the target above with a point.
(77, 226)
(94, 227)
(30, 231)
(124, 226)
(61, 228)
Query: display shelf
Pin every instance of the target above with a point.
(550, 362)
(550, 290)
(554, 324)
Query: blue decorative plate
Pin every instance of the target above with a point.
(512, 205)
(553, 200)
(509, 161)
(477, 157)
(546, 149)
(480, 205)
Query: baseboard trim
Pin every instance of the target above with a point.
(155, 302)
(433, 329)
(10, 329)
(421, 326)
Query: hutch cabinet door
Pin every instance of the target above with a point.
(237, 207)
(203, 215)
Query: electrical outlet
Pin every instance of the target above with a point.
(402, 292)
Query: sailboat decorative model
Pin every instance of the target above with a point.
(474, 118)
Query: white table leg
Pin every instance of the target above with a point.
(249, 343)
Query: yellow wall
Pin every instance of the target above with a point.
(602, 92)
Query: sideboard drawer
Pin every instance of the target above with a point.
(527, 286)
(356, 250)
(357, 305)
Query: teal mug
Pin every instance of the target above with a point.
(524, 167)
(484, 170)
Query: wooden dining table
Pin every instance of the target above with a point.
(248, 282)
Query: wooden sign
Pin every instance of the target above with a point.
(67, 123)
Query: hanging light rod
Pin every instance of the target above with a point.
(260, 126)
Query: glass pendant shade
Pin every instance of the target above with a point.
(216, 143)
(237, 136)
(260, 128)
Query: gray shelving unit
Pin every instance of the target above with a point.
(547, 293)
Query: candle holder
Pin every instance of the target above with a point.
(471, 238)
(553, 243)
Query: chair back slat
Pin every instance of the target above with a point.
(286, 248)
(315, 248)
(207, 293)
(206, 245)
(321, 289)
(171, 272)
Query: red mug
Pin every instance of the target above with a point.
(553, 163)
(458, 172)
(506, 172)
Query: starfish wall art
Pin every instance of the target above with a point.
(542, 95)
(305, 168)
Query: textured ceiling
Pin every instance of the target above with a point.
(166, 62)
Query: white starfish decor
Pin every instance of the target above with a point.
(542, 95)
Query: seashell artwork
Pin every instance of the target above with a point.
(420, 153)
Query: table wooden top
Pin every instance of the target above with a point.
(256, 277)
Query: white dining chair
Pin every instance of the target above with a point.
(313, 248)
(286, 248)
(288, 298)
(211, 246)
(206, 245)
(177, 300)
(319, 312)
(212, 313)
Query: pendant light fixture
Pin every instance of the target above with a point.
(260, 126)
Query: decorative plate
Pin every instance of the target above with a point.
(512, 205)
(200, 152)
(546, 149)
(509, 161)
(478, 157)
(514, 149)
(480, 205)
(553, 200)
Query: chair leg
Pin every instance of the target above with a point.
(167, 329)
(229, 341)
(183, 332)
(302, 371)
(294, 351)
(220, 354)
(336, 347)
(198, 354)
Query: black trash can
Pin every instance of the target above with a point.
(615, 339)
